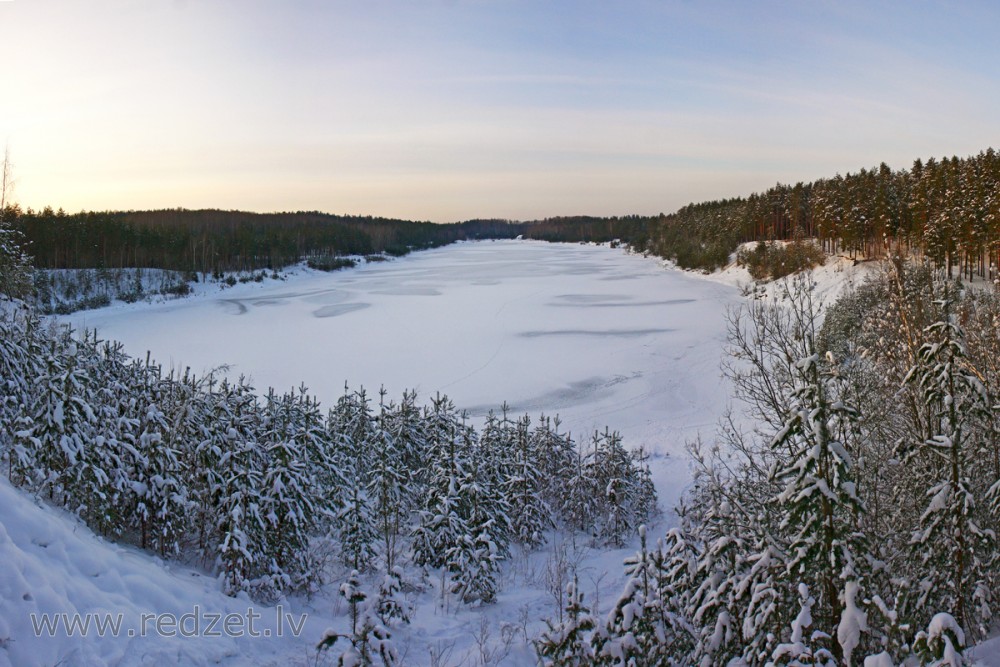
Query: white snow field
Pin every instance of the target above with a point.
(593, 334)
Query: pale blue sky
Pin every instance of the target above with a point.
(452, 109)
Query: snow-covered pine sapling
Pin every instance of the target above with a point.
(319, 453)
(52, 449)
(530, 514)
(494, 462)
(239, 529)
(356, 525)
(19, 367)
(819, 499)
(387, 485)
(626, 498)
(243, 548)
(405, 422)
(673, 571)
(711, 587)
(110, 473)
(369, 638)
(287, 496)
(580, 499)
(351, 591)
(350, 427)
(489, 498)
(392, 604)
(15, 265)
(555, 455)
(443, 515)
(647, 625)
(160, 492)
(323, 461)
(474, 559)
(566, 643)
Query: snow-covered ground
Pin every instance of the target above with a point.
(836, 276)
(599, 336)
(54, 566)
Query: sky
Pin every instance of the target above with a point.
(447, 110)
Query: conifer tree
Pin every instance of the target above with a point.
(556, 455)
(647, 624)
(160, 496)
(626, 496)
(442, 518)
(19, 357)
(567, 643)
(51, 451)
(369, 638)
(226, 489)
(580, 499)
(116, 431)
(405, 422)
(287, 498)
(819, 499)
(392, 605)
(799, 651)
(243, 546)
(321, 448)
(954, 550)
(474, 558)
(15, 265)
(387, 485)
(351, 428)
(529, 512)
(713, 587)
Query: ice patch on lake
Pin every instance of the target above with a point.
(409, 291)
(610, 301)
(574, 394)
(593, 299)
(624, 333)
(340, 309)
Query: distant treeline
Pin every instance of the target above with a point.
(947, 209)
(212, 241)
(636, 230)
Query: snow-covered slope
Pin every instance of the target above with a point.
(836, 276)
(53, 565)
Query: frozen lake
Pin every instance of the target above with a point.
(593, 334)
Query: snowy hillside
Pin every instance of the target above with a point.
(57, 572)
